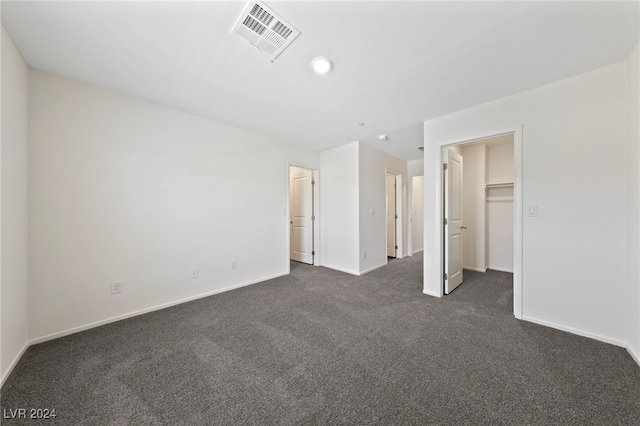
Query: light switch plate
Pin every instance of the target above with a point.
(532, 210)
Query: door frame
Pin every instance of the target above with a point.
(410, 208)
(434, 213)
(399, 212)
(316, 212)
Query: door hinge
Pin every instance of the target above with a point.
(396, 216)
(313, 218)
(313, 253)
(445, 166)
(313, 182)
(446, 277)
(396, 247)
(445, 221)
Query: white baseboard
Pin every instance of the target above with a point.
(500, 269)
(430, 293)
(13, 364)
(145, 311)
(572, 330)
(474, 269)
(341, 270)
(635, 356)
(372, 269)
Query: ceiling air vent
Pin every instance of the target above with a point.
(265, 29)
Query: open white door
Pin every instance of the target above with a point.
(453, 220)
(391, 215)
(417, 213)
(301, 215)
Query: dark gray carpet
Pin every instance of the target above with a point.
(323, 347)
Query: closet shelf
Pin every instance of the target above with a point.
(494, 199)
(499, 185)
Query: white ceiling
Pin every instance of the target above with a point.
(396, 63)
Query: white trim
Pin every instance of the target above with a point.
(15, 362)
(500, 269)
(576, 331)
(433, 232)
(518, 285)
(635, 356)
(430, 293)
(146, 310)
(475, 269)
(418, 251)
(316, 212)
(374, 268)
(342, 270)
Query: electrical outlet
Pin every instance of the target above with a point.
(234, 264)
(194, 273)
(116, 287)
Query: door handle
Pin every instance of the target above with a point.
(463, 227)
(291, 222)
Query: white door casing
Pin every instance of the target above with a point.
(453, 220)
(391, 215)
(417, 213)
(301, 215)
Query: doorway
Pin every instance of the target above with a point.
(302, 218)
(394, 214)
(478, 208)
(417, 214)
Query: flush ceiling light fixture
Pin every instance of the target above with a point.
(383, 138)
(321, 65)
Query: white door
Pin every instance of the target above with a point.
(391, 215)
(301, 214)
(453, 221)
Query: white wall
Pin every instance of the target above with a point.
(633, 205)
(121, 189)
(415, 167)
(473, 213)
(339, 204)
(457, 149)
(373, 171)
(499, 208)
(13, 211)
(500, 163)
(574, 145)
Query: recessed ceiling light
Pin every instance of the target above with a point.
(321, 65)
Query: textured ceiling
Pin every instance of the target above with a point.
(396, 63)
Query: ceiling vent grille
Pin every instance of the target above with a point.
(265, 29)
